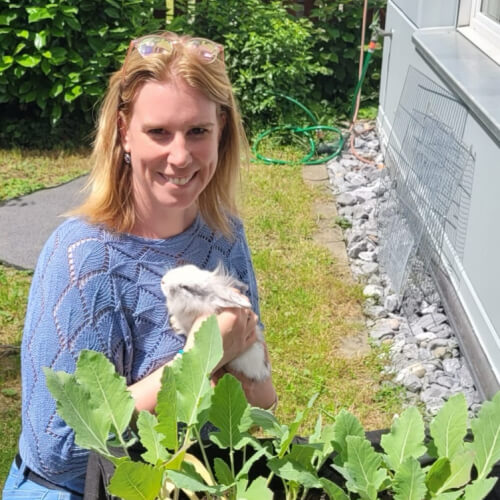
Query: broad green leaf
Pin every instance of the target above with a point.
(108, 390)
(136, 481)
(346, 424)
(486, 430)
(38, 13)
(303, 454)
(326, 439)
(23, 34)
(5, 19)
(46, 67)
(57, 55)
(226, 411)
(193, 369)
(449, 426)
(56, 89)
(19, 48)
(291, 432)
(223, 472)
(175, 461)
(333, 491)
(438, 474)
(73, 23)
(293, 471)
(316, 435)
(189, 479)
(479, 488)
(409, 481)
(55, 114)
(362, 469)
(73, 93)
(166, 409)
(257, 490)
(28, 61)
(73, 406)
(41, 39)
(5, 62)
(449, 495)
(460, 471)
(261, 418)
(67, 9)
(250, 461)
(151, 439)
(406, 438)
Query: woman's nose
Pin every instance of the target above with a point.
(179, 154)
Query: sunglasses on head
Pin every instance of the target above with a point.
(163, 43)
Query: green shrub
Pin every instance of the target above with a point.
(337, 48)
(57, 57)
(266, 50)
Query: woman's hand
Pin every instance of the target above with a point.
(237, 326)
(258, 393)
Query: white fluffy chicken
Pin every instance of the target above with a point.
(192, 292)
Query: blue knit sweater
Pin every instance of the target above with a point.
(94, 289)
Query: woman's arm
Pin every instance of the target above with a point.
(237, 326)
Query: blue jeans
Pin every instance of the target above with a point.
(17, 486)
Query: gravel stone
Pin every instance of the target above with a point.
(424, 353)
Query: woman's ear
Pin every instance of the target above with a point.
(123, 131)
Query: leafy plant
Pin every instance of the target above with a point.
(267, 50)
(57, 56)
(95, 402)
(337, 48)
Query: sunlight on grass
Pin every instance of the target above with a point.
(22, 172)
(14, 287)
(307, 309)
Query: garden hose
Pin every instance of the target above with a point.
(332, 149)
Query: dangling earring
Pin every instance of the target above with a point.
(126, 158)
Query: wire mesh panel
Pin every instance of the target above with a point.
(425, 193)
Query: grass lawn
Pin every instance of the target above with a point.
(22, 172)
(306, 307)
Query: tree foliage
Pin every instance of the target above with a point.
(56, 59)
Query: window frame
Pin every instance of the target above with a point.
(479, 28)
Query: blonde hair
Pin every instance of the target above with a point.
(110, 199)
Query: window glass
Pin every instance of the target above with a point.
(491, 9)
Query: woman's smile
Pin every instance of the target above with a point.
(177, 181)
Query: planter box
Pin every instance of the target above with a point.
(100, 471)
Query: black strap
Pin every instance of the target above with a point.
(33, 476)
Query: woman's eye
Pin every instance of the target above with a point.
(198, 131)
(157, 131)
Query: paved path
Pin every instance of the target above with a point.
(27, 222)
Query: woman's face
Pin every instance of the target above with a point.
(172, 137)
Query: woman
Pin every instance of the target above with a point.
(162, 193)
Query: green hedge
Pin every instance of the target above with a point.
(267, 50)
(56, 59)
(337, 47)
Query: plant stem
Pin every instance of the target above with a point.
(205, 458)
(231, 459)
(270, 478)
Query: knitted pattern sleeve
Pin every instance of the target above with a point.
(93, 289)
